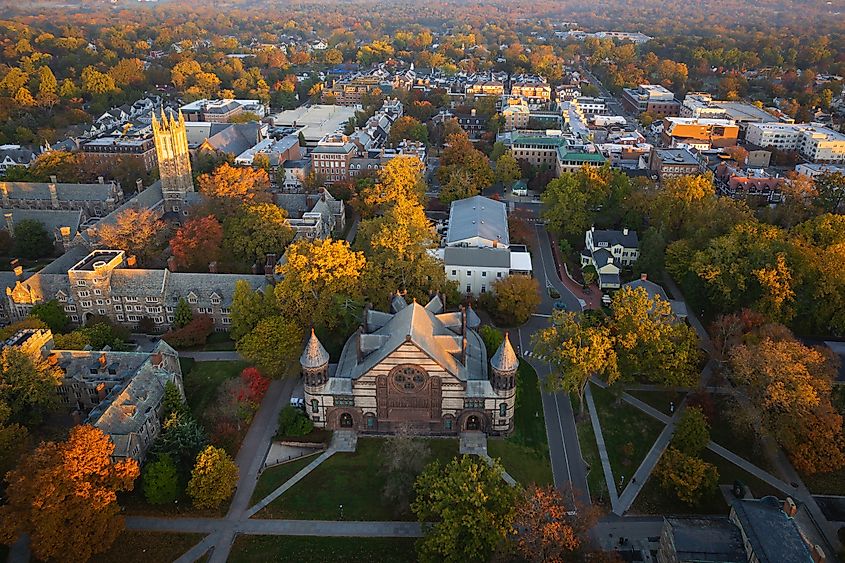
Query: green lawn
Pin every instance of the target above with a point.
(133, 503)
(351, 479)
(274, 477)
(590, 454)
(525, 454)
(628, 433)
(147, 547)
(249, 549)
(202, 381)
(653, 499)
(219, 341)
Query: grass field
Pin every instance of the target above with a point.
(354, 480)
(147, 547)
(274, 477)
(525, 454)
(590, 453)
(202, 381)
(628, 433)
(660, 400)
(249, 549)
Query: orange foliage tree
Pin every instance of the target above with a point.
(230, 186)
(550, 529)
(197, 243)
(64, 495)
(136, 231)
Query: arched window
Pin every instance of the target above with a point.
(315, 406)
(503, 409)
(346, 420)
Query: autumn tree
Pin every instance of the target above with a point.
(256, 230)
(831, 191)
(197, 243)
(135, 231)
(13, 439)
(788, 386)
(400, 179)
(61, 485)
(273, 345)
(313, 274)
(465, 508)
(213, 479)
(229, 186)
(650, 342)
(461, 159)
(578, 349)
(688, 477)
(551, 528)
(513, 299)
(409, 128)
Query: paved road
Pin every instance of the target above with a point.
(568, 467)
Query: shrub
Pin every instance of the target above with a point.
(294, 422)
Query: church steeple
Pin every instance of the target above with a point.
(174, 160)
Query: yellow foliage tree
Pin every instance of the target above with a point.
(64, 495)
(213, 479)
(399, 179)
(687, 476)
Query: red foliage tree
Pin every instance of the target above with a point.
(253, 386)
(197, 243)
(195, 333)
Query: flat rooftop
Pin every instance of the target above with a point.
(317, 120)
(676, 156)
(87, 263)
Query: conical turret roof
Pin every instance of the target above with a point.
(505, 359)
(314, 355)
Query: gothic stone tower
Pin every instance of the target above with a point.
(174, 160)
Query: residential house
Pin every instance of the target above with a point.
(15, 155)
(610, 251)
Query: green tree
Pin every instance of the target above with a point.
(565, 208)
(160, 480)
(273, 345)
(459, 185)
(294, 422)
(255, 231)
(12, 440)
(507, 169)
(183, 313)
(173, 401)
(213, 479)
(31, 240)
(52, 313)
(465, 508)
(27, 384)
(692, 432)
(578, 350)
(650, 342)
(182, 438)
(831, 191)
(249, 307)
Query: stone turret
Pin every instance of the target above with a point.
(314, 362)
(503, 366)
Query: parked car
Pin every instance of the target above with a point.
(560, 306)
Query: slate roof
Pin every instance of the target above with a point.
(64, 192)
(611, 237)
(706, 539)
(478, 216)
(477, 256)
(236, 138)
(314, 355)
(505, 359)
(774, 536)
(424, 329)
(19, 156)
(51, 219)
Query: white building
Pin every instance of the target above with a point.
(813, 170)
(608, 252)
(812, 141)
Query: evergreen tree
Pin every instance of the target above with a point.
(183, 314)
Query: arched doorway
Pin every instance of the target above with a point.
(346, 420)
(473, 422)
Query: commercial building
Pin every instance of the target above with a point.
(701, 134)
(221, 111)
(652, 99)
(314, 122)
(739, 183)
(813, 170)
(109, 151)
(812, 141)
(672, 163)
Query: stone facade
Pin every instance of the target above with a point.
(417, 369)
(174, 160)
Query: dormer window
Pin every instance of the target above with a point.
(192, 298)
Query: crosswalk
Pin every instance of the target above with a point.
(531, 354)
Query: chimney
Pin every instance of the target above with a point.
(463, 321)
(464, 349)
(102, 360)
(54, 180)
(818, 554)
(789, 507)
(593, 229)
(156, 359)
(212, 267)
(472, 112)
(54, 195)
(100, 180)
(131, 261)
(358, 348)
(5, 190)
(625, 231)
(101, 392)
(65, 232)
(367, 308)
(17, 268)
(270, 265)
(139, 185)
(10, 223)
(643, 276)
(171, 263)
(77, 417)
(610, 259)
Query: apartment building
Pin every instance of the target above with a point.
(535, 91)
(672, 163)
(485, 88)
(516, 113)
(353, 91)
(813, 141)
(699, 133)
(332, 156)
(589, 105)
(109, 151)
(650, 98)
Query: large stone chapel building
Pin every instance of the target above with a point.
(417, 369)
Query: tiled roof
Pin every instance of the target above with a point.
(505, 359)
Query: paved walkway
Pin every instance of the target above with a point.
(271, 527)
(289, 483)
(605, 460)
(473, 443)
(641, 475)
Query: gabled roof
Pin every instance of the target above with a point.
(419, 326)
(478, 216)
(612, 238)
